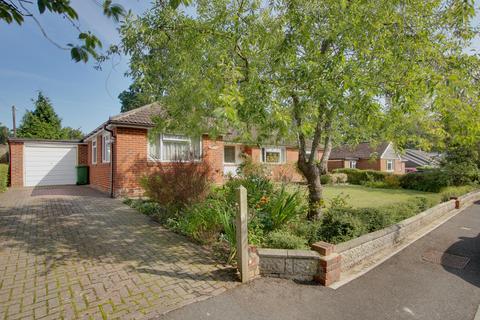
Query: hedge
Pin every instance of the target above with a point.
(357, 176)
(3, 177)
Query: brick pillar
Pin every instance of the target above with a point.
(16, 163)
(329, 268)
(457, 202)
(82, 154)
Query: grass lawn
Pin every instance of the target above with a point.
(360, 196)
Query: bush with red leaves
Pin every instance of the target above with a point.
(178, 184)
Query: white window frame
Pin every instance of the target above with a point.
(106, 140)
(281, 150)
(392, 164)
(352, 164)
(172, 137)
(94, 151)
(236, 154)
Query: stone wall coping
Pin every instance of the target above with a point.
(291, 254)
(467, 196)
(344, 246)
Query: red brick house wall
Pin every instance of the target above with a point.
(399, 166)
(82, 153)
(131, 163)
(16, 164)
(100, 172)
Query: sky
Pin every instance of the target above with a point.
(82, 96)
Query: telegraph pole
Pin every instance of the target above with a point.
(14, 122)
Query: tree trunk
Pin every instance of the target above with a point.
(314, 196)
(309, 167)
(312, 175)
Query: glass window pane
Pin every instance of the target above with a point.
(229, 154)
(196, 148)
(176, 151)
(272, 156)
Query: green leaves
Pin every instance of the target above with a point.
(9, 13)
(82, 52)
(114, 11)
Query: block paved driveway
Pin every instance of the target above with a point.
(71, 252)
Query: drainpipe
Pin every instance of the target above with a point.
(112, 157)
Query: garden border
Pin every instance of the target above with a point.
(326, 262)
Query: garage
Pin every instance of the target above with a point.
(49, 164)
(41, 162)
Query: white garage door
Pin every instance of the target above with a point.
(49, 164)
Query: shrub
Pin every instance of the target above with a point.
(3, 177)
(259, 190)
(250, 168)
(325, 179)
(390, 182)
(203, 221)
(459, 174)
(374, 218)
(430, 181)
(342, 223)
(454, 191)
(229, 234)
(339, 225)
(357, 176)
(306, 229)
(283, 239)
(178, 184)
(337, 178)
(404, 210)
(283, 207)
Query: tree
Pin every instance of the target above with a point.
(4, 133)
(133, 98)
(326, 72)
(18, 10)
(72, 134)
(41, 123)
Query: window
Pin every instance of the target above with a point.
(106, 148)
(169, 147)
(390, 165)
(353, 164)
(94, 151)
(273, 155)
(229, 154)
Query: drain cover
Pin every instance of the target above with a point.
(445, 259)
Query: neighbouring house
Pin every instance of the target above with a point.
(366, 156)
(415, 158)
(121, 151)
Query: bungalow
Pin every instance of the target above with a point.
(381, 157)
(119, 152)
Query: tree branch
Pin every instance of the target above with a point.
(29, 14)
(301, 136)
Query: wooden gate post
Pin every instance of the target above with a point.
(242, 234)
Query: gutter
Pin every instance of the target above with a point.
(112, 159)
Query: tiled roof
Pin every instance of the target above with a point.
(361, 151)
(137, 117)
(141, 116)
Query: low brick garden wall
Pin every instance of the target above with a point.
(325, 262)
